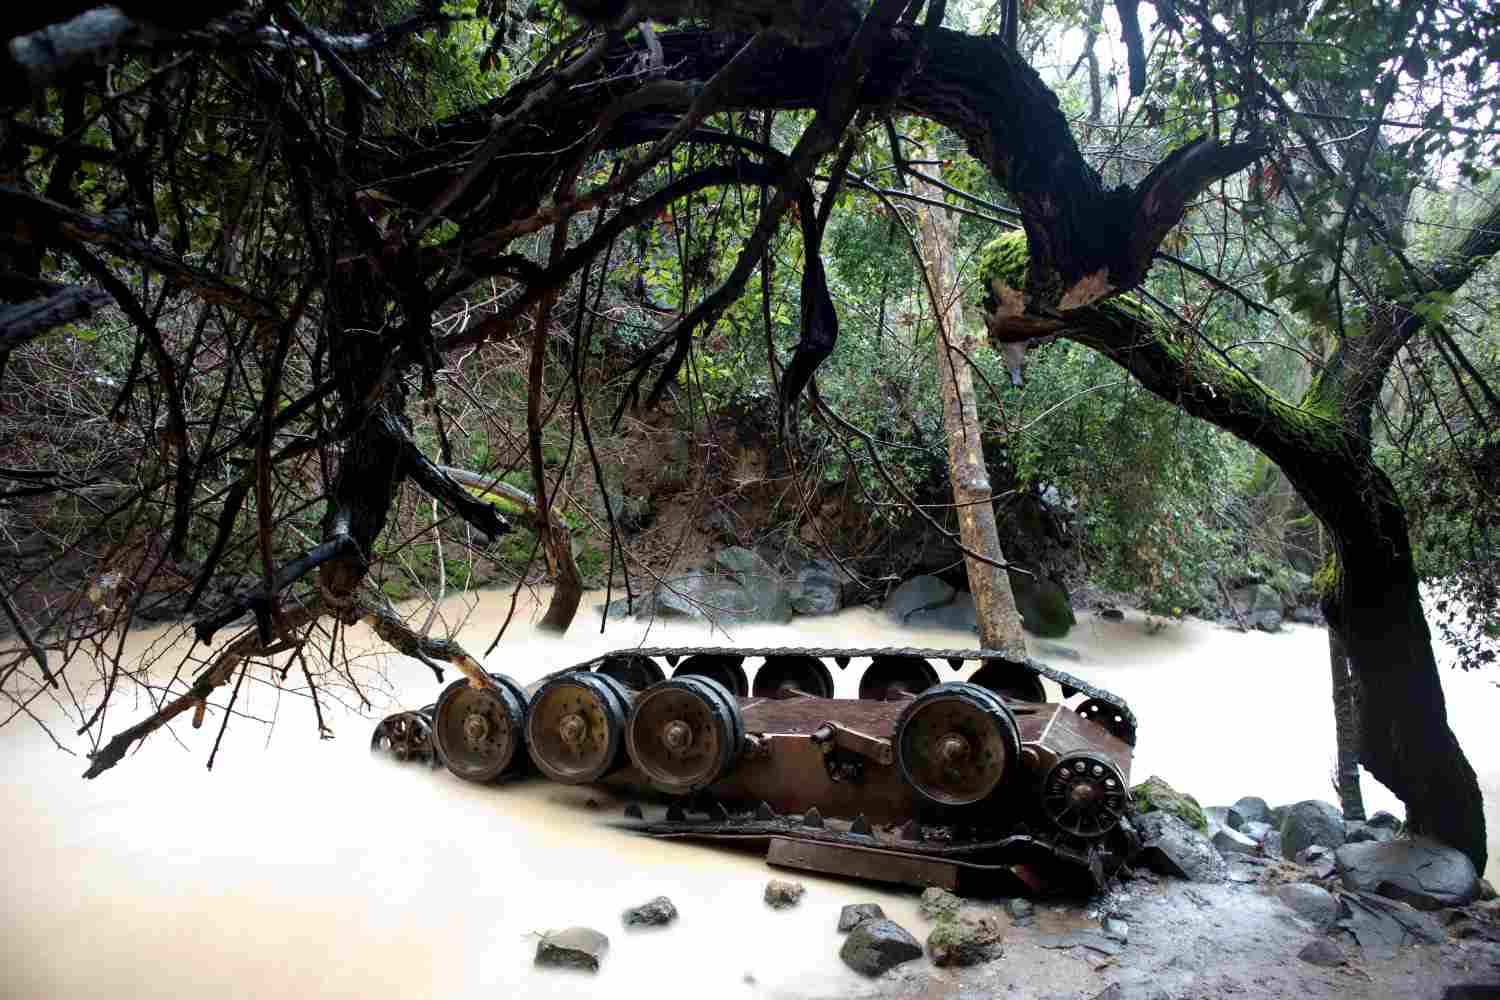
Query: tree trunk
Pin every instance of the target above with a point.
(1346, 726)
(995, 605)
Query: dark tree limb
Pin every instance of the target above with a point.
(26, 321)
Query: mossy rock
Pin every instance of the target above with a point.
(1155, 795)
(1045, 608)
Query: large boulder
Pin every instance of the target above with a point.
(1260, 605)
(877, 945)
(817, 590)
(1312, 903)
(917, 594)
(1044, 605)
(958, 615)
(1311, 822)
(1227, 841)
(1423, 872)
(1155, 795)
(1170, 846)
(1383, 925)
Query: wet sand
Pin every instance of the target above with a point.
(309, 869)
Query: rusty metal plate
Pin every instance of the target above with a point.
(863, 863)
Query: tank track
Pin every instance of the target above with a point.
(1070, 685)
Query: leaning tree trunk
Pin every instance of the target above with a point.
(1376, 609)
(1346, 727)
(995, 605)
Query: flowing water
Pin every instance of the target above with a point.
(309, 869)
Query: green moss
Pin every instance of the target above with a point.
(1154, 794)
(1326, 580)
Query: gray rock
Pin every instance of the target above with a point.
(1260, 606)
(1256, 831)
(1423, 872)
(1132, 991)
(1313, 855)
(962, 941)
(817, 590)
(1225, 816)
(1020, 909)
(1170, 847)
(917, 594)
(682, 596)
(958, 615)
(939, 904)
(1093, 940)
(1358, 832)
(574, 948)
(1383, 820)
(1304, 615)
(855, 914)
(1044, 605)
(1312, 903)
(657, 913)
(1117, 929)
(1321, 951)
(1311, 822)
(878, 945)
(1381, 925)
(1111, 614)
(780, 893)
(1228, 841)
(742, 562)
(1270, 846)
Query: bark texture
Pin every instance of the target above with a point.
(999, 621)
(1346, 728)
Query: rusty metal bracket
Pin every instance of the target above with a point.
(833, 734)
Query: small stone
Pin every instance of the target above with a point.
(574, 948)
(1321, 951)
(939, 903)
(657, 913)
(1020, 909)
(878, 945)
(1310, 902)
(1116, 928)
(1112, 614)
(780, 893)
(961, 941)
(855, 914)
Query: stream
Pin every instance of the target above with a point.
(310, 869)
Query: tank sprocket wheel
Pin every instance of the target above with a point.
(684, 734)
(1110, 717)
(405, 736)
(478, 731)
(792, 676)
(892, 678)
(575, 725)
(954, 743)
(727, 671)
(1010, 680)
(1084, 794)
(635, 672)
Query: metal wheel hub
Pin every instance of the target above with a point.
(677, 735)
(476, 730)
(1084, 795)
(954, 743)
(572, 729)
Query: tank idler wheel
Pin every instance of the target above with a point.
(405, 736)
(793, 677)
(727, 671)
(635, 672)
(954, 743)
(575, 725)
(477, 731)
(1110, 717)
(1010, 680)
(1084, 794)
(684, 734)
(894, 678)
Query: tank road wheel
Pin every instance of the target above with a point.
(1110, 717)
(727, 671)
(635, 672)
(1012, 680)
(477, 731)
(1084, 794)
(405, 736)
(574, 727)
(684, 734)
(891, 678)
(954, 742)
(791, 676)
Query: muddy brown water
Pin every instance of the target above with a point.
(309, 869)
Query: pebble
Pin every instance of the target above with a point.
(574, 948)
(780, 893)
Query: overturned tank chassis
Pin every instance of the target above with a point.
(978, 786)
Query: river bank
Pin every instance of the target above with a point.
(308, 868)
